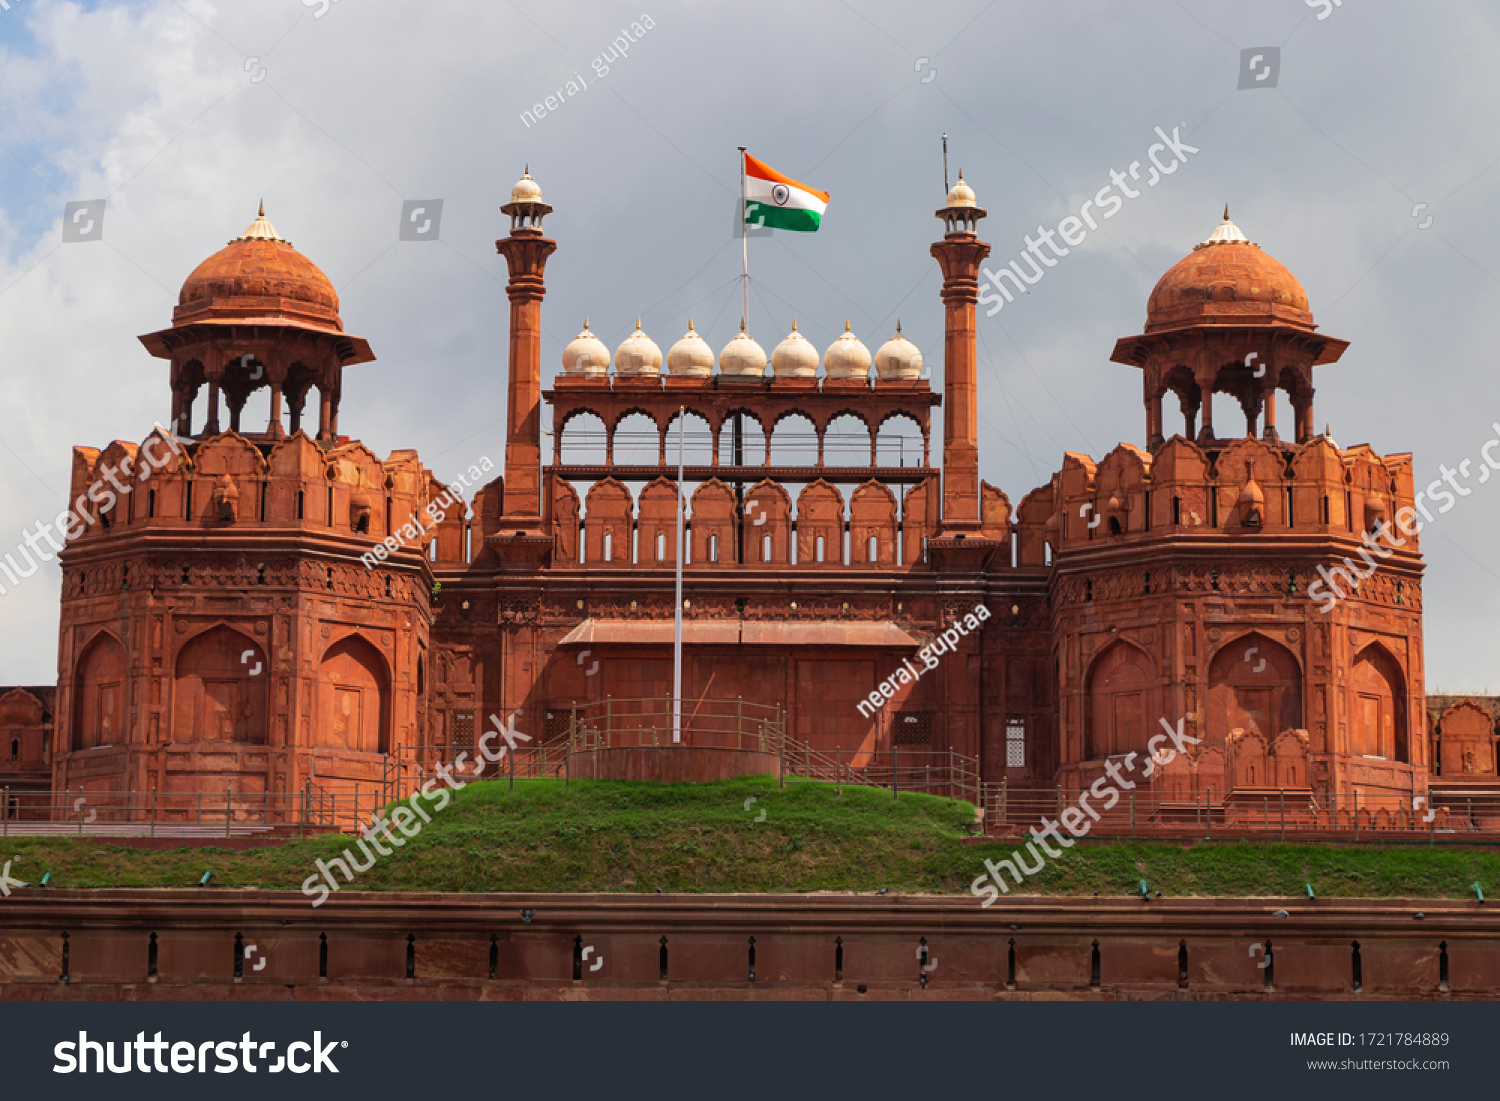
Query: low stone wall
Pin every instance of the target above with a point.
(142, 945)
(672, 764)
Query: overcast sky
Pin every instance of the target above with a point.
(184, 115)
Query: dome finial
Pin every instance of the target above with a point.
(898, 325)
(262, 213)
(690, 324)
(742, 324)
(637, 321)
(846, 324)
(585, 321)
(1226, 212)
(794, 324)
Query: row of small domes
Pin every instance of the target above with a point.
(691, 357)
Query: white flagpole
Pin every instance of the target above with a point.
(677, 625)
(744, 250)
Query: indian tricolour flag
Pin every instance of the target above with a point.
(780, 202)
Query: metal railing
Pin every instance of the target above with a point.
(648, 721)
(941, 772)
(1282, 813)
(223, 813)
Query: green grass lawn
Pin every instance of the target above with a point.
(612, 836)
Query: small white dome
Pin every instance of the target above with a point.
(847, 357)
(526, 190)
(586, 356)
(742, 357)
(794, 357)
(961, 194)
(637, 354)
(691, 356)
(898, 358)
(1226, 233)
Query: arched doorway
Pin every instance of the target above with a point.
(99, 694)
(219, 691)
(354, 701)
(1377, 726)
(1122, 703)
(1254, 685)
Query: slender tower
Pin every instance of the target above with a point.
(525, 252)
(960, 253)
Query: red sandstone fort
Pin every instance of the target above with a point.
(229, 625)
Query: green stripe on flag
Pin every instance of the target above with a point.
(781, 217)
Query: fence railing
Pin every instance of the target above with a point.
(941, 772)
(225, 812)
(648, 721)
(1284, 812)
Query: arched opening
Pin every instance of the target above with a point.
(899, 442)
(219, 690)
(697, 443)
(846, 441)
(354, 698)
(638, 441)
(742, 440)
(99, 694)
(1121, 702)
(1254, 685)
(1377, 725)
(794, 442)
(581, 441)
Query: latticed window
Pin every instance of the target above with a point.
(914, 728)
(557, 726)
(461, 729)
(1015, 743)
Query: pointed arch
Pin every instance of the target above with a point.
(1122, 701)
(1377, 715)
(219, 688)
(99, 694)
(1254, 686)
(354, 697)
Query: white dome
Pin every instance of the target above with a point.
(586, 356)
(847, 357)
(637, 354)
(742, 357)
(691, 356)
(961, 193)
(898, 358)
(526, 190)
(794, 357)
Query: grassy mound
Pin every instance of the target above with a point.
(748, 835)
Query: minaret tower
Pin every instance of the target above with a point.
(522, 533)
(960, 253)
